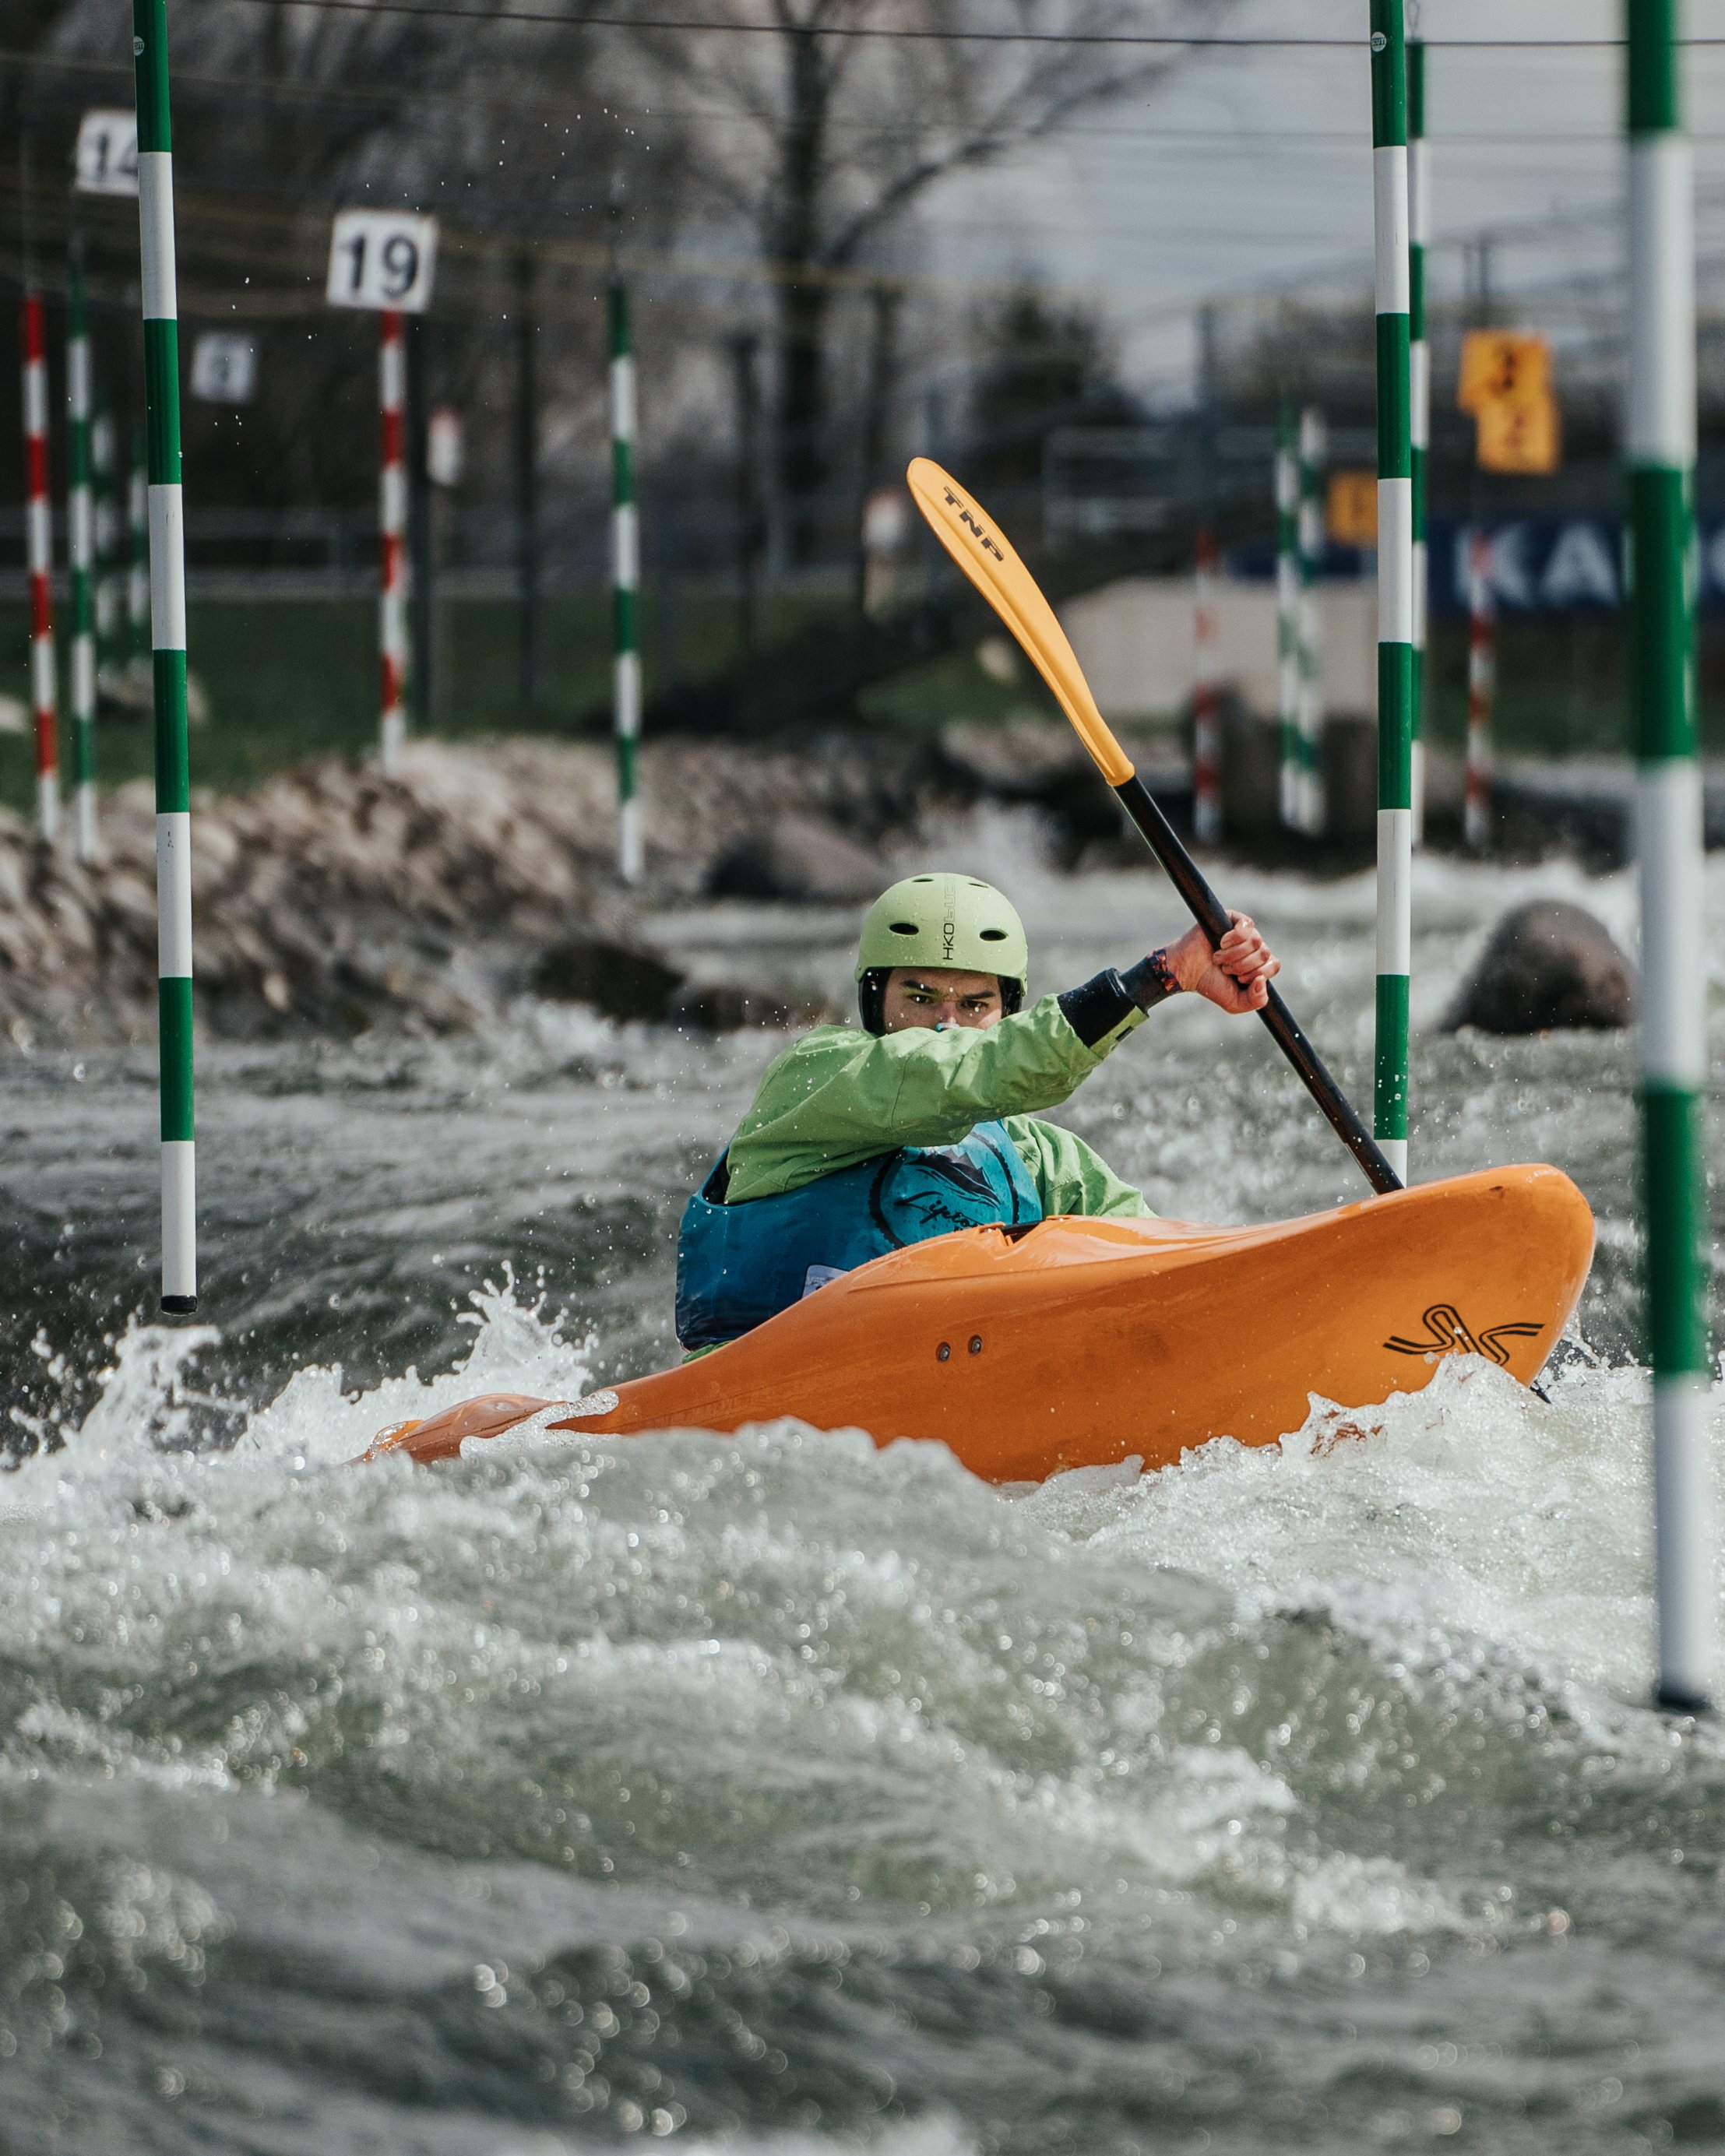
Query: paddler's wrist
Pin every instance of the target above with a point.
(1151, 982)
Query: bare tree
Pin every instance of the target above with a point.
(833, 127)
(510, 130)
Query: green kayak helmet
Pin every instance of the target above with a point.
(941, 920)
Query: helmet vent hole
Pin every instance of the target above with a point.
(904, 928)
(993, 935)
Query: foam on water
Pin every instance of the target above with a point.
(972, 1699)
(781, 1793)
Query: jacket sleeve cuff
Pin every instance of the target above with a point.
(1098, 1007)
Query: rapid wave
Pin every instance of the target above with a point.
(777, 1793)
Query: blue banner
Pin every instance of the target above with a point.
(1554, 564)
(1535, 564)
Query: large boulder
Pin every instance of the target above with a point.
(1548, 963)
(729, 1006)
(796, 857)
(620, 979)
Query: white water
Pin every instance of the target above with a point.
(778, 1792)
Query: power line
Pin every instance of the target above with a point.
(1161, 41)
(286, 94)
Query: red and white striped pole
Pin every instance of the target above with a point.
(1206, 717)
(44, 689)
(392, 524)
(1481, 689)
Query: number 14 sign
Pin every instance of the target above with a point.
(381, 258)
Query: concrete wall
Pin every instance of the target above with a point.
(1134, 642)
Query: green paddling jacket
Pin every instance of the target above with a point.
(838, 1097)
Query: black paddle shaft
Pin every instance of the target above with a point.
(1211, 915)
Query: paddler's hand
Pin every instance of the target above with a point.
(1235, 976)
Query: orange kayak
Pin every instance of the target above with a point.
(1077, 1342)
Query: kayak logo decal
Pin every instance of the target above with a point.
(1449, 1333)
(969, 522)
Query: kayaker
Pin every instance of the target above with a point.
(926, 1122)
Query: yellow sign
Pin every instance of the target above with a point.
(1506, 384)
(1502, 367)
(1519, 438)
(1350, 509)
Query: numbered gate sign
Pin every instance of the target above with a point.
(224, 368)
(105, 161)
(381, 258)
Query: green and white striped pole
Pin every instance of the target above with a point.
(1287, 615)
(1674, 1065)
(625, 578)
(1396, 583)
(101, 478)
(1312, 449)
(167, 621)
(137, 563)
(80, 556)
(1419, 396)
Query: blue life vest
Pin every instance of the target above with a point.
(737, 1265)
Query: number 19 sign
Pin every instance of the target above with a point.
(381, 258)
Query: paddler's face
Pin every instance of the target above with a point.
(939, 996)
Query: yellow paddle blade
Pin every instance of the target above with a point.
(977, 544)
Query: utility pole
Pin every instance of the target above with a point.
(883, 367)
(1287, 613)
(526, 480)
(746, 395)
(422, 556)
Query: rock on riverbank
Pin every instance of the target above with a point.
(332, 900)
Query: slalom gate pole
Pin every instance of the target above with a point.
(137, 561)
(1206, 716)
(1481, 690)
(625, 578)
(1396, 583)
(1419, 403)
(39, 524)
(106, 532)
(166, 513)
(1287, 617)
(80, 557)
(1311, 622)
(391, 548)
(1660, 457)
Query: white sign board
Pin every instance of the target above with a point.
(224, 368)
(381, 258)
(105, 161)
